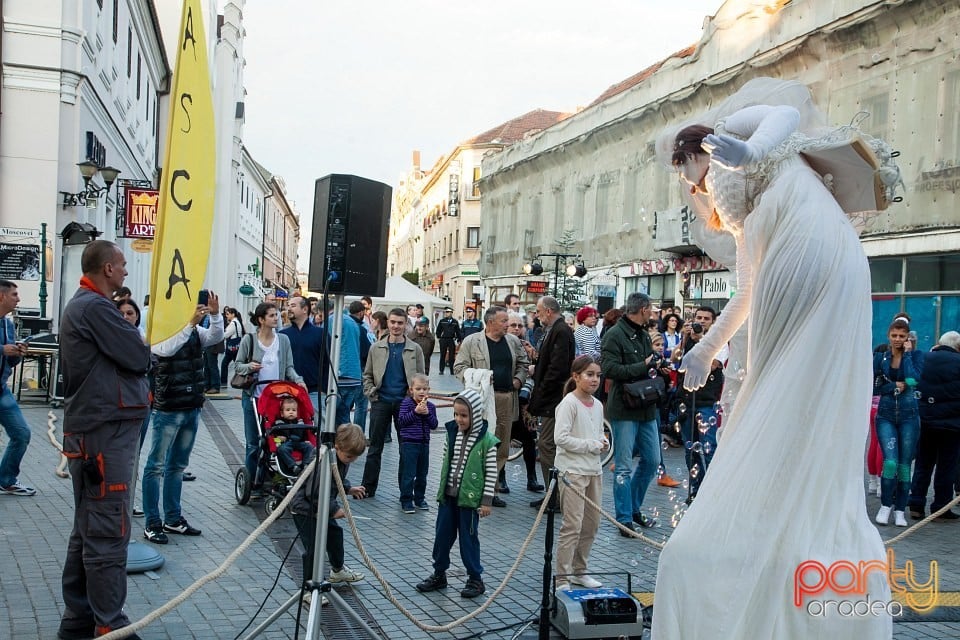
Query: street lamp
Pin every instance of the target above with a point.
(576, 268)
(90, 193)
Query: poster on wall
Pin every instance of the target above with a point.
(19, 261)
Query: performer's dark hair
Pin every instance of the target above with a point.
(688, 141)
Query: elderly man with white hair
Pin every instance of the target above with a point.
(939, 445)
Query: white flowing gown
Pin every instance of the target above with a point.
(785, 485)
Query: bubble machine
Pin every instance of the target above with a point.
(597, 613)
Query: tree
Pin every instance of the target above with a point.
(571, 291)
(413, 277)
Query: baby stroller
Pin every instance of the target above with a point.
(277, 478)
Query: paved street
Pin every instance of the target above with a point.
(33, 534)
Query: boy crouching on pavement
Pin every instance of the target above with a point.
(467, 480)
(348, 445)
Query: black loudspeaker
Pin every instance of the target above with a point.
(348, 253)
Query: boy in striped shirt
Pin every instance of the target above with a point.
(467, 480)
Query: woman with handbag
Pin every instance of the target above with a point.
(264, 356)
(232, 335)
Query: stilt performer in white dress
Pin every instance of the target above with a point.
(786, 484)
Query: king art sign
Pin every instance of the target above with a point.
(141, 212)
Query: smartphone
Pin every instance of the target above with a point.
(203, 297)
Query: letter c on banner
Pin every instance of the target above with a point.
(179, 173)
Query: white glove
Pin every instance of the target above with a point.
(695, 367)
(730, 152)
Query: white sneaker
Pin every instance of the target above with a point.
(883, 516)
(899, 519)
(344, 575)
(585, 581)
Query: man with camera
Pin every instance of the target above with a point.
(697, 409)
(627, 356)
(177, 398)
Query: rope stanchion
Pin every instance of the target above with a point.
(129, 630)
(653, 543)
(388, 591)
(922, 523)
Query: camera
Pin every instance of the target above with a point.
(697, 328)
(655, 358)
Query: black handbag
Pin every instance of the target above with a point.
(645, 393)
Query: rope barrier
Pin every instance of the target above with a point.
(127, 631)
(388, 592)
(634, 534)
(922, 523)
(61, 470)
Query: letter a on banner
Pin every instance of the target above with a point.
(185, 217)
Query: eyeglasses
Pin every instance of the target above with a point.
(515, 324)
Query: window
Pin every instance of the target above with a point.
(138, 75)
(129, 50)
(475, 188)
(450, 244)
(951, 117)
(886, 275)
(473, 237)
(116, 19)
(456, 244)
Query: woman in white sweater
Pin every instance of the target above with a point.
(580, 444)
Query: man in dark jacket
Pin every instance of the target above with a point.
(306, 342)
(626, 356)
(939, 444)
(179, 382)
(104, 363)
(550, 374)
(448, 333)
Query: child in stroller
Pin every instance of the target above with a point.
(276, 427)
(291, 440)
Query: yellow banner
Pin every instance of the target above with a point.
(185, 219)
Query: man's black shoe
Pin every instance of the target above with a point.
(155, 534)
(628, 525)
(498, 502)
(948, 515)
(917, 514)
(434, 582)
(644, 521)
(535, 486)
(188, 477)
(182, 527)
(503, 488)
(472, 589)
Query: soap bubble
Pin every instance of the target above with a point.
(695, 471)
(741, 374)
(652, 373)
(707, 447)
(682, 408)
(688, 445)
(697, 447)
(712, 421)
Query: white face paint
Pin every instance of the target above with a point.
(694, 169)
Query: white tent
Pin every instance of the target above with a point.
(398, 292)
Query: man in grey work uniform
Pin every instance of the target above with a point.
(104, 362)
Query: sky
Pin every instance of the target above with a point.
(354, 87)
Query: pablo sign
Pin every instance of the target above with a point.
(141, 213)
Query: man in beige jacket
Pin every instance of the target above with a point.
(391, 364)
(502, 353)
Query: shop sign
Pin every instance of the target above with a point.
(437, 280)
(17, 232)
(538, 287)
(141, 213)
(717, 284)
(674, 265)
(142, 245)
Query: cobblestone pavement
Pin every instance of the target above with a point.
(33, 533)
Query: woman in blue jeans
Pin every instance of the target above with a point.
(268, 354)
(896, 373)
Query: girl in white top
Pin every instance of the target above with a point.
(580, 442)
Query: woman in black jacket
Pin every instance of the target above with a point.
(939, 444)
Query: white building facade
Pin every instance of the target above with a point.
(596, 173)
(82, 81)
